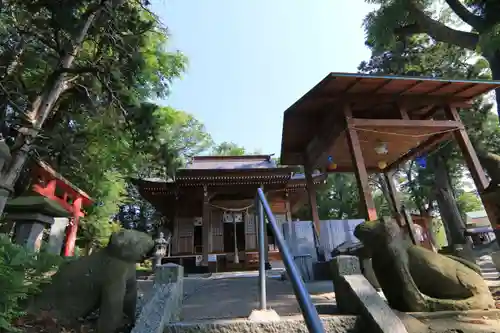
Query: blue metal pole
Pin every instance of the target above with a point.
(311, 316)
(261, 224)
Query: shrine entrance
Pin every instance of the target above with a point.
(368, 124)
(232, 230)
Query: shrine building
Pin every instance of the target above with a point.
(209, 208)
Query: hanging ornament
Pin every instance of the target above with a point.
(331, 165)
(382, 165)
(422, 161)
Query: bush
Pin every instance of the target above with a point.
(21, 274)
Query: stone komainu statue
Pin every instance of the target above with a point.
(105, 280)
(415, 279)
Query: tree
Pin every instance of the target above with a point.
(398, 19)
(102, 130)
(228, 149)
(468, 202)
(90, 55)
(337, 199)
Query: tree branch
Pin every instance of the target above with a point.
(467, 16)
(437, 30)
(78, 70)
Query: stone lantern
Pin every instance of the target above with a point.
(160, 249)
(31, 216)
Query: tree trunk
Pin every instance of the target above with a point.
(40, 110)
(448, 208)
(495, 71)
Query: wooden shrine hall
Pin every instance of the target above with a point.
(372, 124)
(209, 208)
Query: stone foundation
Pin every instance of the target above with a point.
(164, 303)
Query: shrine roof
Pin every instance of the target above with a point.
(370, 97)
(242, 167)
(231, 162)
(299, 179)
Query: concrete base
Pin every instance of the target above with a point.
(57, 235)
(340, 324)
(264, 316)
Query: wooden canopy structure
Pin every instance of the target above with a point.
(371, 124)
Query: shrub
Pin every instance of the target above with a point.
(21, 274)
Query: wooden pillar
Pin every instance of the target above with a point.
(72, 229)
(393, 196)
(365, 193)
(474, 166)
(205, 227)
(470, 156)
(311, 193)
(287, 207)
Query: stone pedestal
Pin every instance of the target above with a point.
(57, 235)
(342, 266)
(369, 273)
(29, 229)
(168, 273)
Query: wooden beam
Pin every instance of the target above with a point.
(403, 111)
(470, 156)
(365, 193)
(318, 147)
(429, 113)
(311, 192)
(424, 147)
(406, 100)
(442, 124)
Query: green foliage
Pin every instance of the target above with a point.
(21, 274)
(103, 129)
(97, 227)
(468, 202)
(337, 199)
(228, 149)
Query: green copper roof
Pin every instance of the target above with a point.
(36, 204)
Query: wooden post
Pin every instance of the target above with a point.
(403, 112)
(72, 229)
(205, 227)
(394, 199)
(475, 168)
(468, 151)
(287, 207)
(311, 192)
(365, 193)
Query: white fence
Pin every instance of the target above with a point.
(300, 237)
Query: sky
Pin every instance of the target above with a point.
(249, 60)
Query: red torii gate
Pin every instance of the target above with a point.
(52, 185)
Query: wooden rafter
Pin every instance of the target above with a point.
(442, 124)
(423, 148)
(407, 100)
(330, 130)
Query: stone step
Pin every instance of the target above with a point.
(338, 324)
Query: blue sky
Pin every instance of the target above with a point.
(249, 60)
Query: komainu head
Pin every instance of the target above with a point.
(375, 234)
(130, 245)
